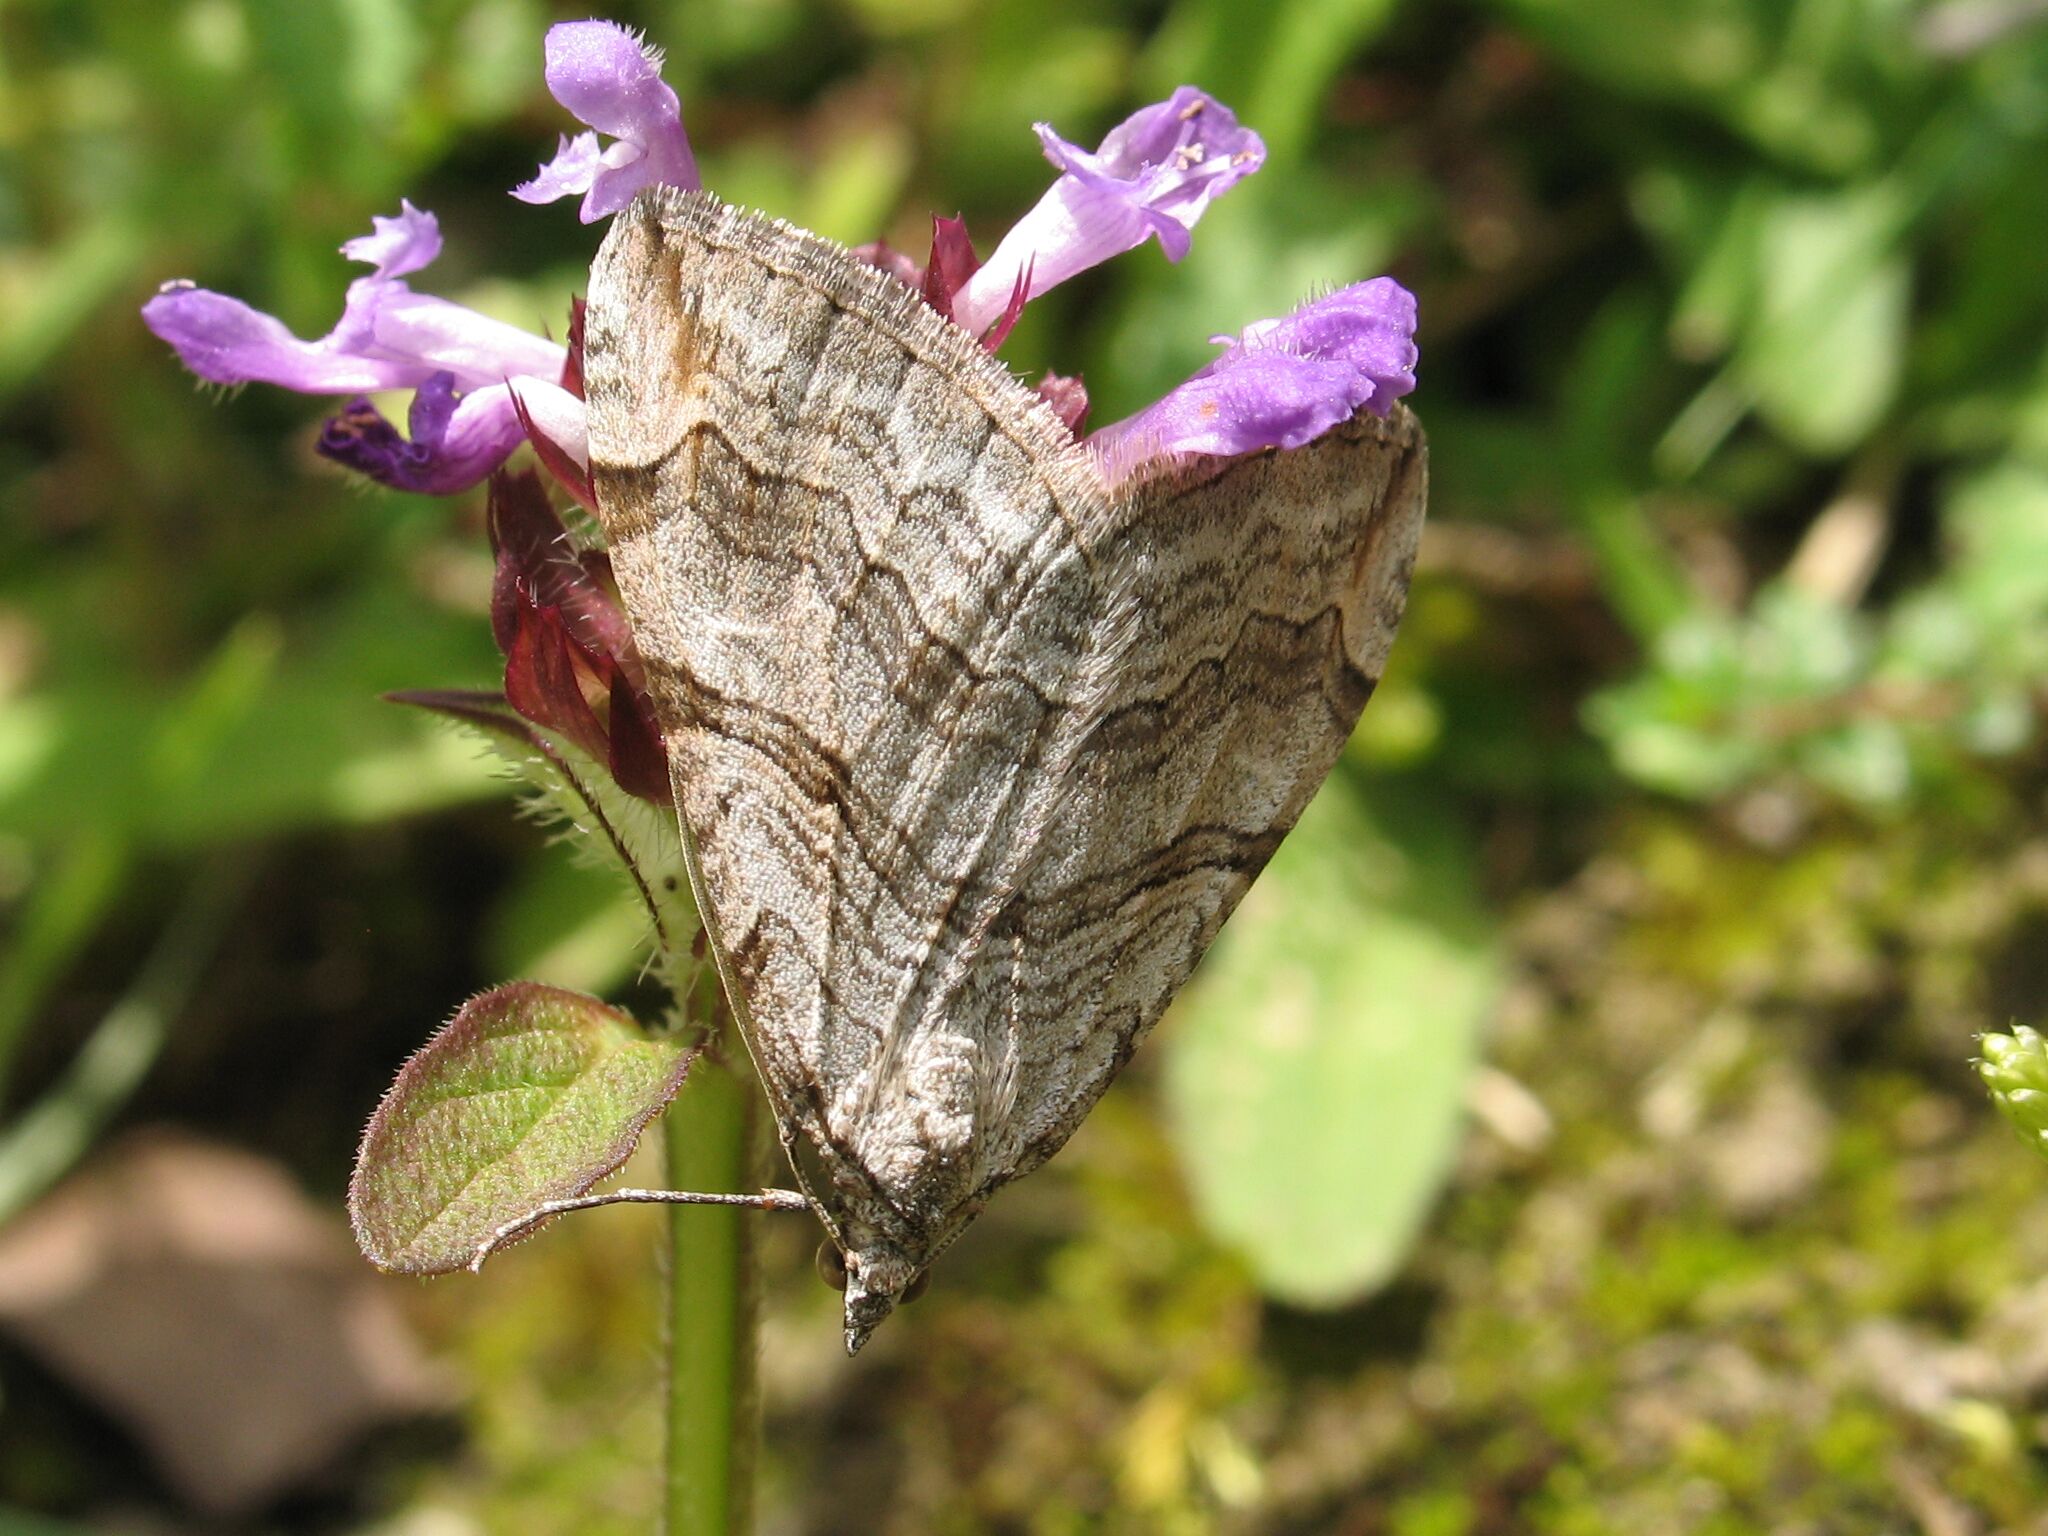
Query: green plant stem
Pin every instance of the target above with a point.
(708, 1137)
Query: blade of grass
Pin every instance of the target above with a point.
(44, 1144)
(63, 909)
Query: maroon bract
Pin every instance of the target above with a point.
(953, 263)
(570, 662)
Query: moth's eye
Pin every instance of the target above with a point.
(832, 1265)
(917, 1287)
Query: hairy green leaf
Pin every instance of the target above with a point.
(529, 1094)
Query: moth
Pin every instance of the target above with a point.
(973, 750)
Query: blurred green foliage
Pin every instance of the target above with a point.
(1708, 773)
(1316, 1078)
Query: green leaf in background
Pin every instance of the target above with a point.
(1997, 523)
(271, 735)
(1782, 73)
(569, 920)
(1274, 63)
(1649, 588)
(1318, 1066)
(1711, 232)
(529, 1094)
(1824, 350)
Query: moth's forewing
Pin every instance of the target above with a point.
(972, 756)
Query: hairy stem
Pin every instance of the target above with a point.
(708, 1138)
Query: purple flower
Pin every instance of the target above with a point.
(483, 386)
(465, 364)
(1154, 175)
(388, 337)
(453, 441)
(609, 79)
(1280, 383)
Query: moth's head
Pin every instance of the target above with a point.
(877, 1277)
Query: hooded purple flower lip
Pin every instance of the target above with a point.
(453, 441)
(1153, 176)
(610, 79)
(397, 246)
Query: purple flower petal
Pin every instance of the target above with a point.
(388, 337)
(397, 246)
(454, 440)
(1368, 326)
(1153, 176)
(388, 320)
(608, 79)
(552, 412)
(569, 174)
(1281, 383)
(449, 449)
(224, 341)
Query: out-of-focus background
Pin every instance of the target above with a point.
(1574, 1132)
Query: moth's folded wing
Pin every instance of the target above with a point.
(1256, 601)
(853, 551)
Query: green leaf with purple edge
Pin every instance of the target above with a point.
(529, 1094)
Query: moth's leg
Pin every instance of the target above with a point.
(765, 1200)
